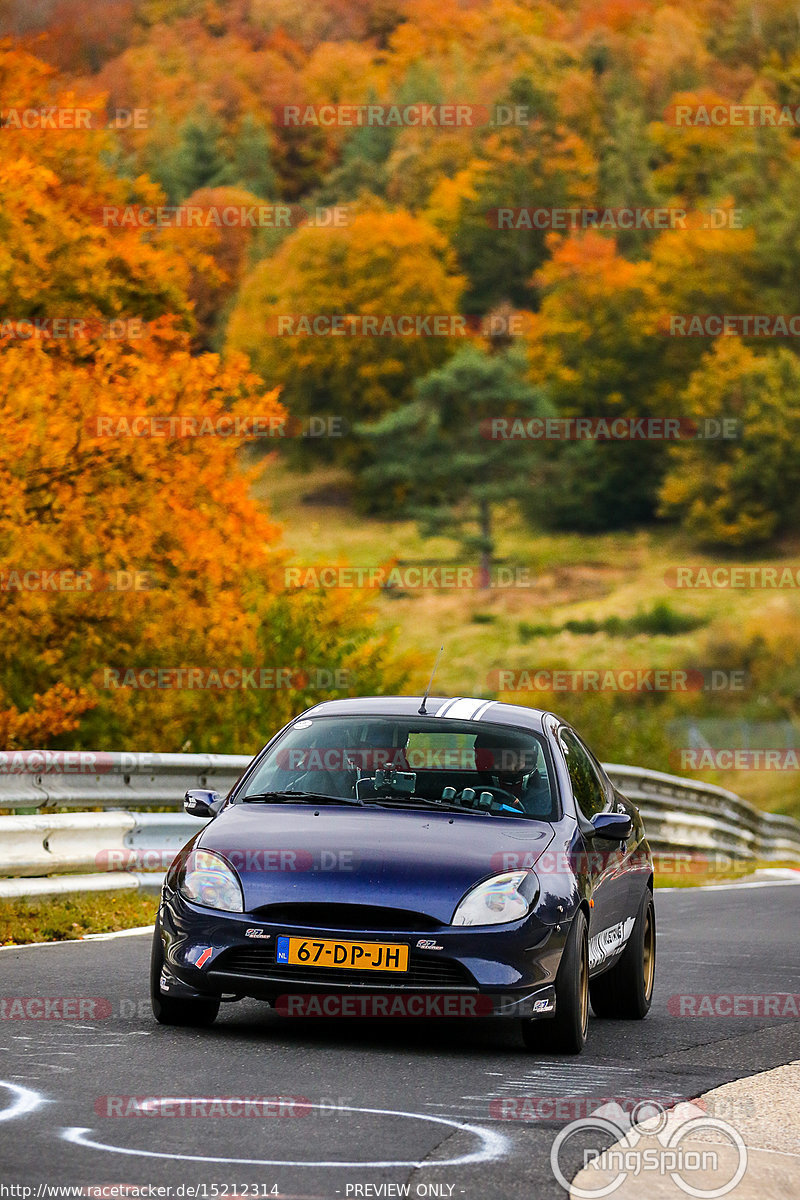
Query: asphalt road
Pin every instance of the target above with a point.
(408, 1102)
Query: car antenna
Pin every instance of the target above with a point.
(421, 709)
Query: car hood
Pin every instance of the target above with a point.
(423, 862)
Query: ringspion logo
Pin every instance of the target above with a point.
(650, 1142)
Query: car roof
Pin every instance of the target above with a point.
(464, 708)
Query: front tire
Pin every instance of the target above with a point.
(625, 992)
(170, 1010)
(565, 1033)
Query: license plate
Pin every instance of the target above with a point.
(359, 956)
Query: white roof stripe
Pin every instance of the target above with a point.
(463, 709)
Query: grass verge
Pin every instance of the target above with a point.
(603, 602)
(62, 918)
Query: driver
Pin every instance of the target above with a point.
(515, 770)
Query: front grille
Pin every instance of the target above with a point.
(422, 972)
(356, 917)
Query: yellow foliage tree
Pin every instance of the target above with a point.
(380, 264)
(739, 484)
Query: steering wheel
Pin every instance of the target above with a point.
(500, 793)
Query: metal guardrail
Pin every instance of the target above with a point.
(685, 814)
(122, 847)
(46, 779)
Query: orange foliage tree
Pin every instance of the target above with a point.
(130, 542)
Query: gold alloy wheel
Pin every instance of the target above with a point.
(649, 953)
(584, 986)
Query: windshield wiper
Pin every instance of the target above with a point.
(424, 802)
(288, 796)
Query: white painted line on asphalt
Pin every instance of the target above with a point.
(781, 1153)
(493, 1145)
(727, 887)
(27, 1101)
(137, 931)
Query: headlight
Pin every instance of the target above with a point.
(208, 880)
(498, 901)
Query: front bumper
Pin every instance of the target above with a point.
(508, 971)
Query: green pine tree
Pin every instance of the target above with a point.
(197, 161)
(252, 161)
(437, 459)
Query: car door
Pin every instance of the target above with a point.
(601, 861)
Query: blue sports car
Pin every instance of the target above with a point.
(402, 856)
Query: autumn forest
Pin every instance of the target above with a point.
(578, 209)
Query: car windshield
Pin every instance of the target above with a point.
(409, 761)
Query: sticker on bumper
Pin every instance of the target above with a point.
(609, 941)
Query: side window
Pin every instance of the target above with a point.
(586, 783)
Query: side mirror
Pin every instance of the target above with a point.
(614, 827)
(201, 803)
